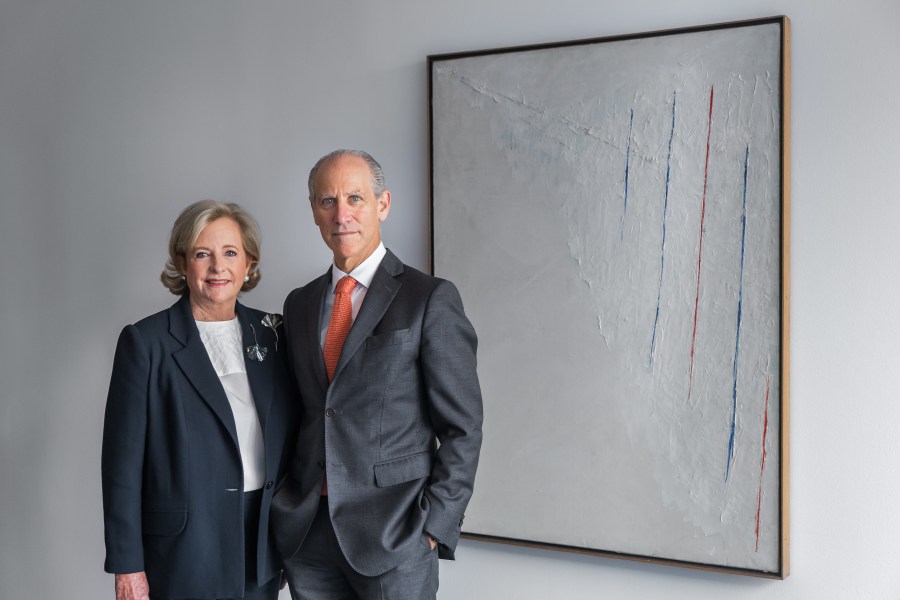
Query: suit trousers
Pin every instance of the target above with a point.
(252, 591)
(319, 571)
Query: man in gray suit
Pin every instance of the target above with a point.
(391, 411)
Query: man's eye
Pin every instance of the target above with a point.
(355, 198)
(327, 201)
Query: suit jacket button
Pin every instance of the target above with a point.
(269, 485)
(329, 412)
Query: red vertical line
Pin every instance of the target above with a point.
(700, 251)
(762, 465)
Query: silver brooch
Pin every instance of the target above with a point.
(272, 322)
(256, 352)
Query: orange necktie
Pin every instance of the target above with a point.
(339, 325)
(338, 328)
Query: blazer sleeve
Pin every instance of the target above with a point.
(448, 362)
(122, 456)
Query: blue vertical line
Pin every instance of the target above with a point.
(737, 337)
(662, 249)
(627, 163)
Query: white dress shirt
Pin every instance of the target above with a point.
(223, 341)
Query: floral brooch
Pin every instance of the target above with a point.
(257, 352)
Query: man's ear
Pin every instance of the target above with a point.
(384, 205)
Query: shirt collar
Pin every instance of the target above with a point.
(364, 273)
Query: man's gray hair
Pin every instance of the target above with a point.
(374, 167)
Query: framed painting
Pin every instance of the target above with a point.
(615, 214)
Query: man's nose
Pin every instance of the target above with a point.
(342, 212)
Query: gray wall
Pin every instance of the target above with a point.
(114, 115)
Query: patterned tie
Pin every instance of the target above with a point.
(338, 328)
(339, 325)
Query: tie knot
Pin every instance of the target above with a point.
(345, 285)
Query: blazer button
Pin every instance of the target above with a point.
(329, 412)
(269, 485)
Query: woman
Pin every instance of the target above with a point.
(199, 421)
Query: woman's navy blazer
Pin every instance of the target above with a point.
(172, 474)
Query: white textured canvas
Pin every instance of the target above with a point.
(611, 213)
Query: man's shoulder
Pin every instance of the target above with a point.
(416, 274)
(435, 292)
(404, 271)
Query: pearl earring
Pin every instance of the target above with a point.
(246, 278)
(183, 278)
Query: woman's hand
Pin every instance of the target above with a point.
(132, 586)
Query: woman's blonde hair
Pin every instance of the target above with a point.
(188, 227)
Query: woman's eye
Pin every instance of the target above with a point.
(230, 253)
(201, 254)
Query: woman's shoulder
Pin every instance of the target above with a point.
(159, 323)
(154, 321)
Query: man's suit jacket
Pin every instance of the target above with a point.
(406, 378)
(172, 474)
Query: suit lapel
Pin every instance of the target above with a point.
(379, 296)
(314, 327)
(196, 366)
(259, 373)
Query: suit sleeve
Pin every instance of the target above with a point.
(122, 457)
(448, 363)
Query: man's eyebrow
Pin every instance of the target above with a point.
(353, 192)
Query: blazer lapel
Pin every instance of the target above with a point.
(314, 327)
(379, 296)
(259, 373)
(196, 366)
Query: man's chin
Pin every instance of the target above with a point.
(344, 252)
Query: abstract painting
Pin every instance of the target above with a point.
(615, 213)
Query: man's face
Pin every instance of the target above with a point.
(346, 210)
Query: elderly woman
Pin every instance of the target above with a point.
(199, 420)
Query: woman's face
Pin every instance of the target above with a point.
(215, 269)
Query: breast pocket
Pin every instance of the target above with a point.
(390, 338)
(389, 365)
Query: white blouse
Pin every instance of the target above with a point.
(223, 342)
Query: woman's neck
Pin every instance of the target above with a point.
(215, 312)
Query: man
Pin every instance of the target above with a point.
(391, 410)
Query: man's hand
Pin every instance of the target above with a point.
(431, 542)
(132, 586)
